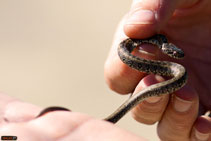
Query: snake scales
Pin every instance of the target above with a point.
(164, 68)
(176, 71)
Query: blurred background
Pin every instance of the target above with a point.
(52, 52)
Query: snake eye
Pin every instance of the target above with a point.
(172, 51)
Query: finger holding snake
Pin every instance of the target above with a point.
(186, 24)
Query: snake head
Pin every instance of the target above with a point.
(172, 51)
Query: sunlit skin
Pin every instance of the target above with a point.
(19, 119)
(187, 24)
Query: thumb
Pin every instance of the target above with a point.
(148, 17)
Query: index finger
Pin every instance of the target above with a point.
(118, 75)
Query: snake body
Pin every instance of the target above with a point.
(176, 71)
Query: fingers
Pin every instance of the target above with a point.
(152, 109)
(63, 121)
(144, 19)
(14, 110)
(51, 126)
(202, 129)
(176, 114)
(118, 75)
(65, 126)
(149, 17)
(180, 115)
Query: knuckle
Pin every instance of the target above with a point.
(116, 84)
(144, 120)
(174, 131)
(118, 79)
(150, 113)
(146, 117)
(173, 136)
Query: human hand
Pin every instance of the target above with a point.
(187, 24)
(19, 119)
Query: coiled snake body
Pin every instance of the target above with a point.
(164, 68)
(176, 71)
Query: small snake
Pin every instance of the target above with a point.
(163, 68)
(176, 71)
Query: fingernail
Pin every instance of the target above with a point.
(201, 136)
(153, 99)
(141, 17)
(181, 105)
